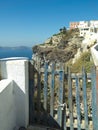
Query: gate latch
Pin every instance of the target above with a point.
(62, 105)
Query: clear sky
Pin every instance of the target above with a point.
(29, 22)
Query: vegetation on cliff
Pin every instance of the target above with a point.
(62, 47)
(84, 61)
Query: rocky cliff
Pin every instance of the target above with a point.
(60, 47)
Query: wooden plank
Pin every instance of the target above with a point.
(65, 127)
(52, 91)
(60, 95)
(45, 85)
(65, 101)
(85, 99)
(78, 103)
(94, 100)
(70, 99)
(97, 92)
(72, 74)
(39, 88)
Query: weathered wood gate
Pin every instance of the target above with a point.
(60, 99)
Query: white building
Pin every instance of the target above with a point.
(88, 28)
(83, 24)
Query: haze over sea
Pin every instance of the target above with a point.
(7, 52)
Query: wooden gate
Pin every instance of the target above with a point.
(61, 99)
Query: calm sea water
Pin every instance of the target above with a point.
(15, 52)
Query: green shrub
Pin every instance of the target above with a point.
(83, 61)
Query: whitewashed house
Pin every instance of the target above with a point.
(88, 28)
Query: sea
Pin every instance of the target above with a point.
(9, 52)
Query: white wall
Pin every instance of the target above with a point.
(16, 70)
(94, 53)
(7, 106)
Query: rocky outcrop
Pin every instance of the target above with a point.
(59, 48)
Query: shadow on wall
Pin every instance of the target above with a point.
(96, 47)
(3, 70)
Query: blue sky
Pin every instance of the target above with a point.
(30, 22)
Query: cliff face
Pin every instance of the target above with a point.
(60, 47)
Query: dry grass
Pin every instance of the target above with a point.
(84, 61)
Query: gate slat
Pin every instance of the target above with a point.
(65, 127)
(78, 103)
(85, 99)
(97, 93)
(39, 89)
(61, 81)
(65, 108)
(94, 99)
(52, 92)
(70, 99)
(45, 85)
